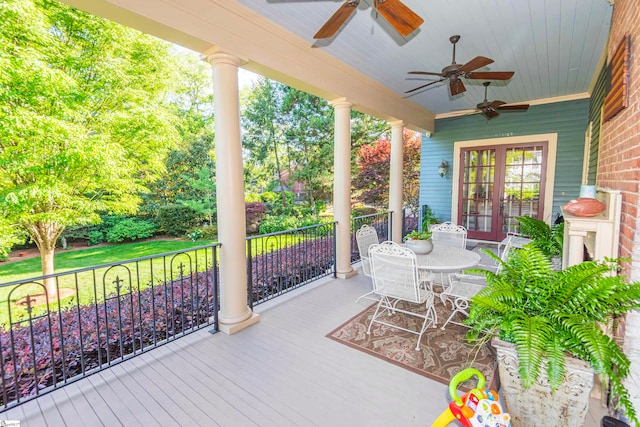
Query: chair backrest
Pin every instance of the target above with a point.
(365, 237)
(504, 255)
(448, 233)
(394, 272)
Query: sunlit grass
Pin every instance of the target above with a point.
(128, 275)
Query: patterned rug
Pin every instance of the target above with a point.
(442, 354)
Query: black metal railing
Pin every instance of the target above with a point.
(281, 262)
(381, 221)
(410, 221)
(105, 314)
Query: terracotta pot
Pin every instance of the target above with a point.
(537, 405)
(585, 207)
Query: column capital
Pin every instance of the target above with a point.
(217, 56)
(341, 103)
(396, 123)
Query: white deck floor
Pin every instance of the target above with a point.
(282, 371)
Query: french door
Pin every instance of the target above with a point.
(499, 183)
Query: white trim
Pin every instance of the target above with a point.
(587, 153)
(552, 148)
(541, 101)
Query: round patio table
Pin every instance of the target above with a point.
(445, 258)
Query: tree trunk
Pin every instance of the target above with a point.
(46, 256)
(45, 235)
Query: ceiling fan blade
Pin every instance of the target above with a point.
(517, 107)
(423, 86)
(489, 113)
(490, 75)
(426, 73)
(457, 87)
(495, 104)
(475, 63)
(404, 20)
(337, 19)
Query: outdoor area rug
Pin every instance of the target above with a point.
(442, 354)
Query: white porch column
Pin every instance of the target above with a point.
(342, 186)
(234, 313)
(395, 179)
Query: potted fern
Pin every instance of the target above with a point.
(548, 238)
(544, 323)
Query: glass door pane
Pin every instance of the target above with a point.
(478, 172)
(522, 185)
(498, 184)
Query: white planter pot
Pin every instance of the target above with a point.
(421, 247)
(537, 405)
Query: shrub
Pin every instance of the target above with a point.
(176, 220)
(272, 224)
(209, 232)
(87, 337)
(252, 197)
(254, 212)
(130, 229)
(288, 268)
(95, 237)
(360, 210)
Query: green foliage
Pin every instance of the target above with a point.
(428, 218)
(252, 197)
(361, 210)
(418, 235)
(548, 239)
(188, 180)
(95, 237)
(204, 232)
(112, 228)
(272, 224)
(275, 204)
(9, 237)
(176, 220)
(85, 124)
(548, 314)
(130, 229)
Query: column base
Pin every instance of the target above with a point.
(346, 274)
(232, 328)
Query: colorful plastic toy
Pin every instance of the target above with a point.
(478, 408)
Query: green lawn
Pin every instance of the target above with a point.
(129, 274)
(82, 284)
(96, 255)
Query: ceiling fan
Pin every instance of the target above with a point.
(490, 109)
(403, 19)
(455, 71)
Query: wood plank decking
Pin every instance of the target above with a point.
(282, 371)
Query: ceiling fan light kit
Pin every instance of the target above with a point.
(397, 14)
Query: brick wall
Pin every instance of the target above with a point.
(619, 168)
(619, 157)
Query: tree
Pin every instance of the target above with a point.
(372, 179)
(263, 135)
(84, 119)
(188, 178)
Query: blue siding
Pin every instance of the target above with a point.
(568, 119)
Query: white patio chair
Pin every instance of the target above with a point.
(462, 287)
(396, 278)
(365, 237)
(448, 233)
